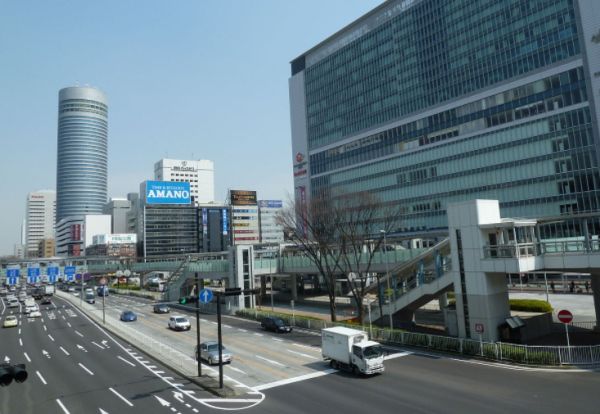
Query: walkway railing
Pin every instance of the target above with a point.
(518, 250)
(495, 351)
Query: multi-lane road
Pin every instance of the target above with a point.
(74, 366)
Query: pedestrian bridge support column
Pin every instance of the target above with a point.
(596, 291)
(481, 297)
(294, 286)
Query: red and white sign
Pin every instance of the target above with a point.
(479, 327)
(565, 316)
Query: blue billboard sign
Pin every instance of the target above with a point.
(270, 203)
(167, 192)
(225, 224)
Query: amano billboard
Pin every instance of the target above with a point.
(167, 192)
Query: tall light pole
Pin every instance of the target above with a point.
(271, 279)
(387, 275)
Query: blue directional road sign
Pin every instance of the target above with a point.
(12, 272)
(205, 295)
(33, 273)
(12, 280)
(70, 273)
(52, 274)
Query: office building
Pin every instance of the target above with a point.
(46, 248)
(244, 217)
(117, 209)
(39, 219)
(81, 172)
(271, 231)
(75, 233)
(19, 251)
(216, 233)
(114, 245)
(424, 103)
(199, 173)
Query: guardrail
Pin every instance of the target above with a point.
(495, 351)
(503, 251)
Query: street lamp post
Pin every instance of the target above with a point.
(387, 275)
(370, 323)
(271, 279)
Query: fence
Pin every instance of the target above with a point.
(496, 351)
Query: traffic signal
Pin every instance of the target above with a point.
(183, 300)
(9, 372)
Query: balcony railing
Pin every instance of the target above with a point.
(541, 248)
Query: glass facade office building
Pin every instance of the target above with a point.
(82, 153)
(424, 102)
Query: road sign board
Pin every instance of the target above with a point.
(479, 328)
(12, 280)
(119, 273)
(127, 273)
(103, 281)
(69, 270)
(565, 316)
(12, 272)
(33, 271)
(205, 295)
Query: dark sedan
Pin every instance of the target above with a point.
(161, 308)
(128, 316)
(272, 323)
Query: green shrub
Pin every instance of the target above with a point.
(530, 305)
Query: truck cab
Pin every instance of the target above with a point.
(352, 350)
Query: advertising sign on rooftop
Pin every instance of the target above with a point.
(167, 192)
(270, 203)
(242, 198)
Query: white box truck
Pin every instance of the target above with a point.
(352, 350)
(49, 290)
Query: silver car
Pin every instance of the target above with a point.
(209, 351)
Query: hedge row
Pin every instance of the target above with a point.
(530, 305)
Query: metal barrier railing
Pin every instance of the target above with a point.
(496, 351)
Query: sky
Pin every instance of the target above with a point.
(191, 79)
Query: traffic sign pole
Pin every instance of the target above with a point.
(566, 317)
(198, 326)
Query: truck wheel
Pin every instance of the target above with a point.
(333, 364)
(355, 370)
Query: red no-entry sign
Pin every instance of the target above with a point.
(565, 316)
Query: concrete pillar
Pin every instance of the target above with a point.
(596, 290)
(443, 301)
(294, 286)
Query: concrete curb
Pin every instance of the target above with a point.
(207, 382)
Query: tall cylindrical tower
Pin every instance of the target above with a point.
(82, 156)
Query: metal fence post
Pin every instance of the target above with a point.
(500, 348)
(460, 348)
(526, 355)
(429, 341)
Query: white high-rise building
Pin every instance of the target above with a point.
(39, 219)
(199, 173)
(271, 231)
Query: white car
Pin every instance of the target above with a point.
(10, 321)
(179, 323)
(35, 314)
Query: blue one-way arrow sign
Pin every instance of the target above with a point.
(205, 295)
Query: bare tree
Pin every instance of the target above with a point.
(341, 235)
(366, 219)
(314, 229)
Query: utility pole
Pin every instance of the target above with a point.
(198, 325)
(220, 339)
(387, 275)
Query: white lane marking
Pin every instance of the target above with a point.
(307, 347)
(82, 348)
(27, 356)
(277, 339)
(64, 350)
(98, 345)
(3, 307)
(41, 378)
(79, 333)
(69, 323)
(20, 341)
(62, 406)
(203, 320)
(396, 355)
(152, 366)
(226, 326)
(159, 372)
(242, 330)
(124, 360)
(188, 405)
(45, 329)
(214, 323)
(63, 316)
(50, 336)
(270, 361)
(295, 379)
(302, 355)
(237, 370)
(121, 397)
(85, 368)
(258, 334)
(194, 410)
(19, 331)
(46, 354)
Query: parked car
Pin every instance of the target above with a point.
(10, 321)
(179, 323)
(128, 316)
(275, 324)
(161, 308)
(209, 351)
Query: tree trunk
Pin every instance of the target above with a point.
(332, 309)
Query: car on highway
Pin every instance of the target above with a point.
(128, 316)
(71, 289)
(179, 323)
(14, 303)
(3, 292)
(275, 324)
(31, 308)
(35, 314)
(161, 308)
(209, 351)
(10, 321)
(90, 297)
(46, 300)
